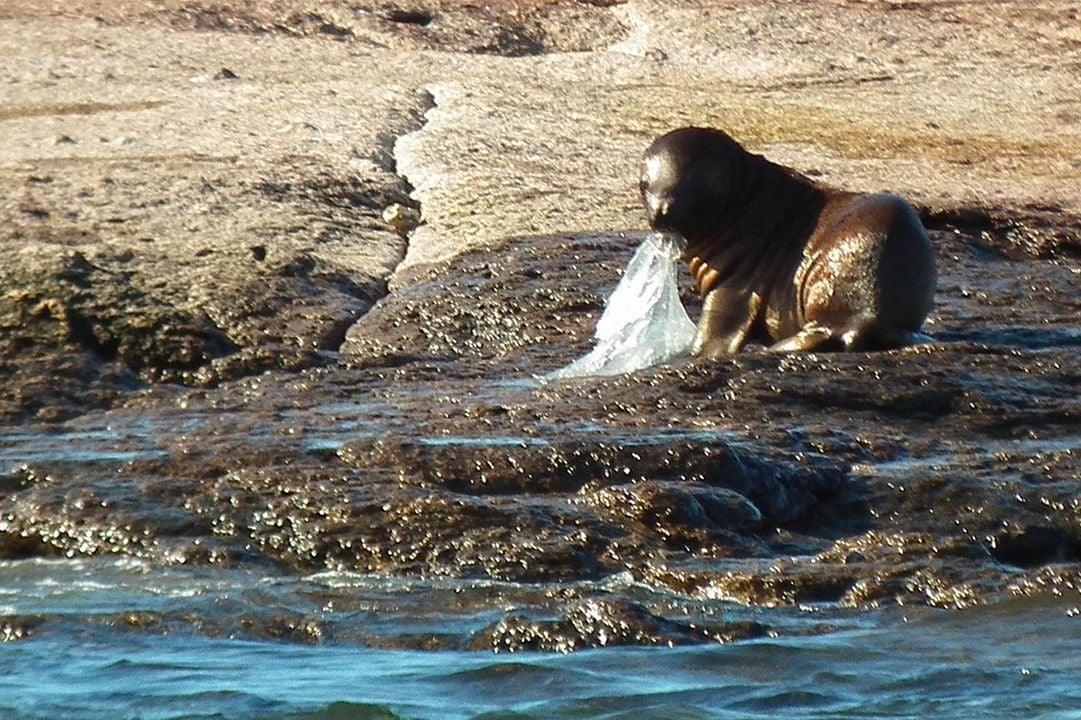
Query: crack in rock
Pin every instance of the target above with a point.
(406, 215)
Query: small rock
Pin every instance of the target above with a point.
(403, 219)
(603, 622)
(421, 18)
(226, 74)
(65, 140)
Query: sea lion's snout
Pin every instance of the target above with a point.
(683, 179)
(657, 206)
(659, 212)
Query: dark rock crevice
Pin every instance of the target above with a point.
(399, 208)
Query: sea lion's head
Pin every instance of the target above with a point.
(686, 180)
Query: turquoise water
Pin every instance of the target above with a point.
(1019, 659)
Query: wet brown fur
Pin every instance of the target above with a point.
(781, 259)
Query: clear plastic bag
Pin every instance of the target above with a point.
(644, 322)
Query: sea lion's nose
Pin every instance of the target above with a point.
(661, 211)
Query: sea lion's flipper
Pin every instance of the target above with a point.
(875, 337)
(865, 336)
(727, 317)
(812, 337)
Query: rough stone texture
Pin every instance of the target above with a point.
(944, 474)
(189, 218)
(513, 29)
(224, 343)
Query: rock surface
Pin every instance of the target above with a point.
(278, 284)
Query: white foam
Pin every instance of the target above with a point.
(644, 322)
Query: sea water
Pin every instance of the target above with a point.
(644, 322)
(1018, 659)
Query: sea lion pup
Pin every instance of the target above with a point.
(780, 259)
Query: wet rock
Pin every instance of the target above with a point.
(849, 479)
(124, 512)
(534, 463)
(488, 309)
(348, 523)
(33, 531)
(761, 583)
(673, 504)
(21, 477)
(18, 627)
(538, 460)
(238, 622)
(1044, 232)
(1035, 545)
(602, 623)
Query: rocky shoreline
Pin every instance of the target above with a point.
(225, 349)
